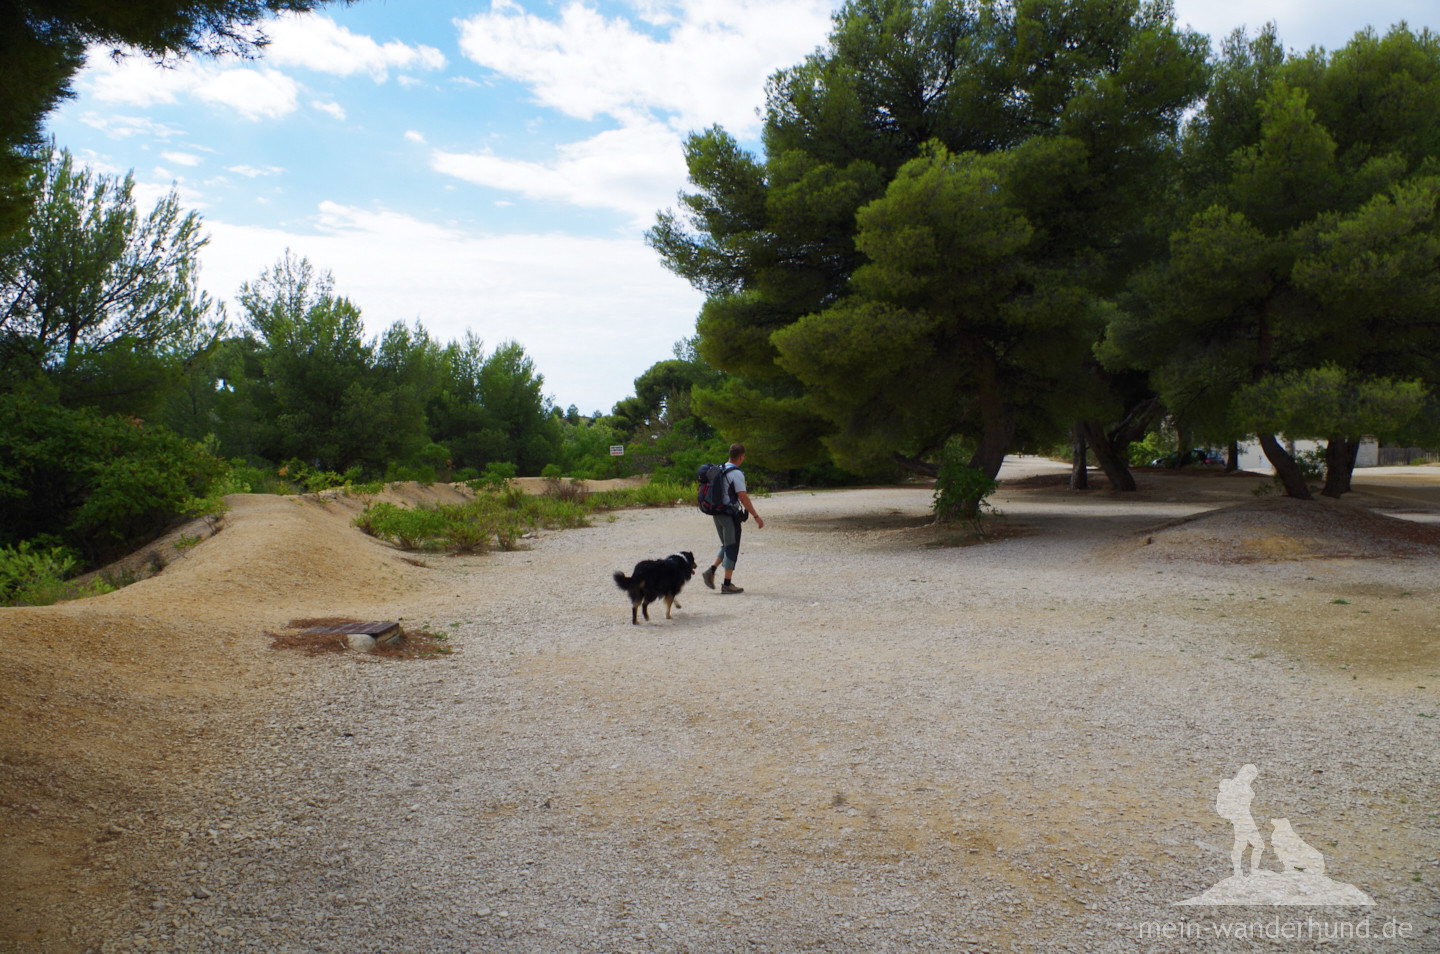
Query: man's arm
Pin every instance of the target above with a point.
(750, 508)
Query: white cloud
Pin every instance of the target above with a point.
(182, 158)
(593, 313)
(634, 170)
(711, 67)
(123, 127)
(1302, 24)
(149, 193)
(254, 94)
(689, 65)
(334, 109)
(318, 43)
(413, 136)
(256, 91)
(251, 172)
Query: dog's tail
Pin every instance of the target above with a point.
(623, 581)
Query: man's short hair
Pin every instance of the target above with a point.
(736, 450)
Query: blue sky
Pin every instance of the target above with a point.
(491, 165)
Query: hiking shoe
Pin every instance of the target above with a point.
(728, 587)
(709, 577)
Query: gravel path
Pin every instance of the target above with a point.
(881, 746)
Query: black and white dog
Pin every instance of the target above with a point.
(653, 580)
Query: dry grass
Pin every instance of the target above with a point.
(416, 644)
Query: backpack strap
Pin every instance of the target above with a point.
(725, 468)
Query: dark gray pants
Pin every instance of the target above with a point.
(728, 527)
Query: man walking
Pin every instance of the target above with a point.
(727, 525)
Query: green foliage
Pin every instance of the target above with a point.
(308, 479)
(246, 478)
(492, 409)
(496, 478)
(1311, 463)
(655, 493)
(1302, 290)
(946, 191)
(328, 396)
(422, 474)
(1317, 402)
(501, 518)
(408, 528)
(961, 488)
(100, 306)
(101, 484)
(1154, 444)
(31, 577)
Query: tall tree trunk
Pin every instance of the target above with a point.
(1110, 462)
(1285, 468)
(1340, 456)
(1182, 448)
(1110, 445)
(1232, 457)
(998, 423)
(1079, 474)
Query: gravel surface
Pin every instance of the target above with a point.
(885, 744)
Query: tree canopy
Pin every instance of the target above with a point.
(1041, 128)
(1310, 252)
(98, 304)
(43, 44)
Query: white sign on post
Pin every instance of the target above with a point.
(617, 450)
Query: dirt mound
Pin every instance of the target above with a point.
(1280, 528)
(101, 698)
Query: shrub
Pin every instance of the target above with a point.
(33, 577)
(37, 577)
(410, 529)
(102, 485)
(960, 490)
(561, 489)
(1153, 445)
(247, 478)
(497, 476)
(422, 474)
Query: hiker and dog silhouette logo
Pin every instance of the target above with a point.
(1301, 879)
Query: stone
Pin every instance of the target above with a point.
(360, 642)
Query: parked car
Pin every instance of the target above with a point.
(1196, 455)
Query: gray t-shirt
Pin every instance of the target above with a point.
(735, 477)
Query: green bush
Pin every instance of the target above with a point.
(960, 490)
(37, 577)
(417, 528)
(498, 475)
(503, 517)
(656, 493)
(99, 484)
(422, 474)
(247, 478)
(1152, 445)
